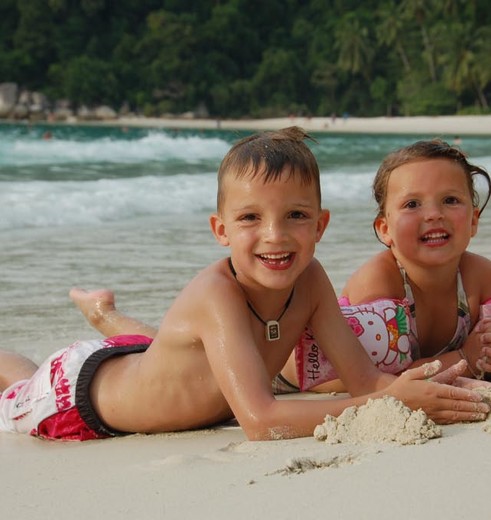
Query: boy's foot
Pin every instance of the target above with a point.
(94, 305)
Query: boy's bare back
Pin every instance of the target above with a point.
(172, 385)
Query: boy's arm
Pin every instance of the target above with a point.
(244, 381)
(242, 376)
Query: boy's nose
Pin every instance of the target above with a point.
(274, 231)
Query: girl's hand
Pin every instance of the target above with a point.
(424, 387)
(483, 333)
(471, 384)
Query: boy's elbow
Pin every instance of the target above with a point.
(270, 433)
(267, 429)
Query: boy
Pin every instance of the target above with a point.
(229, 332)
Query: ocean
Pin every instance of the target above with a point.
(128, 208)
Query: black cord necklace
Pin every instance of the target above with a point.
(272, 326)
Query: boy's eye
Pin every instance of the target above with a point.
(297, 214)
(249, 217)
(411, 204)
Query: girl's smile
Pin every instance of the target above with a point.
(429, 213)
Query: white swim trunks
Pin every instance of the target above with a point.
(54, 403)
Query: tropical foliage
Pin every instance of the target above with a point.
(242, 58)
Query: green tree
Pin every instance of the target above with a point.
(420, 11)
(354, 45)
(390, 31)
(86, 80)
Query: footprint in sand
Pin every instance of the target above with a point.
(301, 465)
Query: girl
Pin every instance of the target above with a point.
(422, 297)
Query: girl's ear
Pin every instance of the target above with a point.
(474, 222)
(382, 230)
(322, 223)
(218, 229)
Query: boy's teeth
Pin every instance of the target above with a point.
(274, 257)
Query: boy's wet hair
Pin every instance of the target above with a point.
(268, 154)
(422, 150)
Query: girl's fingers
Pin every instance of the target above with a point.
(425, 371)
(470, 384)
(448, 404)
(447, 376)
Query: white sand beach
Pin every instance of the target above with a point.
(437, 125)
(217, 474)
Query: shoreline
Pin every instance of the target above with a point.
(436, 126)
(418, 125)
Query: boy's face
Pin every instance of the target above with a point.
(271, 228)
(429, 216)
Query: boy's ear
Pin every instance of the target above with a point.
(322, 223)
(382, 229)
(218, 229)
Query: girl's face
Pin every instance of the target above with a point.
(429, 217)
(271, 228)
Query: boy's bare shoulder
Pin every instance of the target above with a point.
(313, 275)
(215, 276)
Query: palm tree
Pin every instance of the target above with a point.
(466, 59)
(353, 43)
(390, 31)
(420, 11)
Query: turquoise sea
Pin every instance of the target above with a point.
(128, 209)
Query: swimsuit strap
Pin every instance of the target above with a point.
(463, 316)
(409, 301)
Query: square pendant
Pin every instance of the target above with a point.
(272, 330)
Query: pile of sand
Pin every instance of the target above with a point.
(380, 420)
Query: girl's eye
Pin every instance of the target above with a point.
(451, 200)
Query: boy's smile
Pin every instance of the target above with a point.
(271, 228)
(277, 261)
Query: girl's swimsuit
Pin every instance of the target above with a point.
(387, 330)
(463, 318)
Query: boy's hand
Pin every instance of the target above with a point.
(435, 393)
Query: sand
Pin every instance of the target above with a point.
(378, 421)
(449, 126)
(217, 474)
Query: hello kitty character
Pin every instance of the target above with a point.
(382, 327)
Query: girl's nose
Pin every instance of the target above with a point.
(432, 212)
